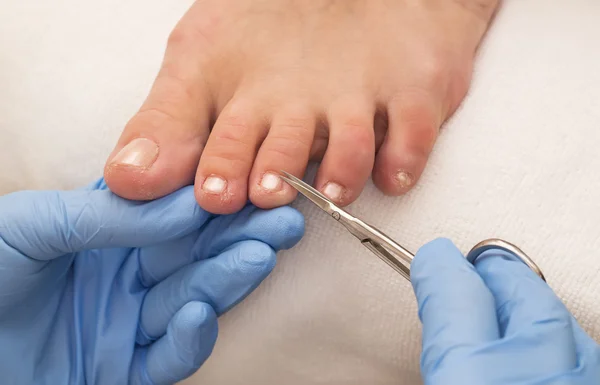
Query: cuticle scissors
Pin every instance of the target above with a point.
(392, 253)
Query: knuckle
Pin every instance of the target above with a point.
(233, 129)
(362, 145)
(201, 33)
(229, 145)
(232, 141)
(458, 88)
(179, 36)
(423, 128)
(480, 8)
(414, 107)
(293, 132)
(359, 133)
(230, 163)
(258, 252)
(420, 122)
(288, 147)
(421, 140)
(363, 138)
(168, 95)
(357, 122)
(435, 357)
(297, 125)
(152, 119)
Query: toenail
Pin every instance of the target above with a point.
(271, 182)
(214, 184)
(333, 191)
(140, 152)
(404, 179)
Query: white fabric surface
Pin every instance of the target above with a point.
(518, 161)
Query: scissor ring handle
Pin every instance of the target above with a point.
(495, 243)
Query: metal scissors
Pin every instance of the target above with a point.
(395, 255)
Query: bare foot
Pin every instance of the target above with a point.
(251, 87)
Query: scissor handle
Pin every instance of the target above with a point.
(496, 243)
(402, 265)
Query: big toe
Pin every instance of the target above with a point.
(155, 156)
(160, 147)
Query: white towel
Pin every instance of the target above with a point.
(518, 161)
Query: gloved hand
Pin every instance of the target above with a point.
(95, 289)
(495, 323)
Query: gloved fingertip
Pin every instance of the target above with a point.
(492, 258)
(437, 254)
(194, 331)
(497, 266)
(256, 255)
(454, 304)
(435, 246)
(98, 184)
(247, 265)
(141, 337)
(524, 301)
(189, 341)
(194, 319)
(586, 345)
(291, 224)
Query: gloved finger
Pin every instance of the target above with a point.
(221, 281)
(281, 228)
(587, 370)
(455, 307)
(586, 345)
(98, 184)
(588, 353)
(189, 341)
(529, 313)
(46, 224)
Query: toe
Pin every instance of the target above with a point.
(286, 147)
(159, 148)
(225, 165)
(349, 158)
(414, 121)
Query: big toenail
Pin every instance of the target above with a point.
(271, 182)
(333, 191)
(404, 179)
(140, 152)
(214, 184)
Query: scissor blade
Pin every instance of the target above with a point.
(308, 191)
(397, 257)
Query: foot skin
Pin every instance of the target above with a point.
(248, 88)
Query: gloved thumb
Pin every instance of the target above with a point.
(47, 224)
(188, 342)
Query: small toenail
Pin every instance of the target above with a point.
(333, 191)
(140, 152)
(404, 179)
(214, 184)
(271, 182)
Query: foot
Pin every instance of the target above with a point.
(248, 88)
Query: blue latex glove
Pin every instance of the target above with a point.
(495, 323)
(95, 289)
